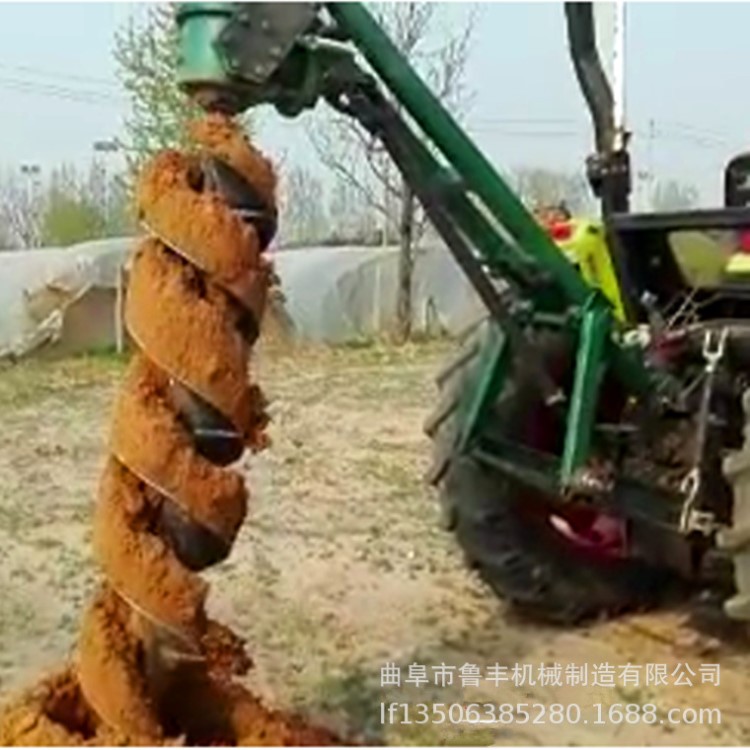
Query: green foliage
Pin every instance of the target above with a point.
(146, 53)
(68, 219)
(76, 207)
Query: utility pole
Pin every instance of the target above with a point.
(386, 203)
(612, 138)
(106, 147)
(31, 174)
(618, 75)
(646, 176)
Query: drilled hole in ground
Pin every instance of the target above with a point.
(191, 707)
(67, 707)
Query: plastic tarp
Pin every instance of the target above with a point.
(37, 286)
(339, 294)
(332, 294)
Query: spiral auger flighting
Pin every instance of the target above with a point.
(151, 667)
(168, 505)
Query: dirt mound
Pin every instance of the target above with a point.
(55, 713)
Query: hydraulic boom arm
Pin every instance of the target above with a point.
(239, 55)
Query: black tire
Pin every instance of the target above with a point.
(519, 553)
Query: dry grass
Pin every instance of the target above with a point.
(340, 568)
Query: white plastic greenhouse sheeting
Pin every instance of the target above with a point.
(338, 294)
(332, 294)
(36, 287)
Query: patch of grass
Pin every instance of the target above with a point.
(22, 575)
(631, 695)
(419, 342)
(360, 343)
(363, 353)
(353, 699)
(443, 735)
(68, 622)
(19, 617)
(69, 571)
(106, 353)
(31, 381)
(15, 519)
(382, 466)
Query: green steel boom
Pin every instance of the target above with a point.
(238, 55)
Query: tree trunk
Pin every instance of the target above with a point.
(405, 265)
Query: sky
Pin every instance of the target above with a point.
(686, 71)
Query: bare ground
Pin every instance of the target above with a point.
(340, 568)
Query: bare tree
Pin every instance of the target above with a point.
(21, 205)
(65, 207)
(672, 195)
(539, 187)
(352, 220)
(107, 191)
(303, 207)
(147, 56)
(439, 50)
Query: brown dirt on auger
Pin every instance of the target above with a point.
(151, 667)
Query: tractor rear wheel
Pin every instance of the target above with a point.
(560, 568)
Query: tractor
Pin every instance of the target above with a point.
(589, 435)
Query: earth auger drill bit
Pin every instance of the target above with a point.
(168, 505)
(151, 667)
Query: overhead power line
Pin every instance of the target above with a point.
(702, 139)
(527, 121)
(73, 87)
(83, 96)
(698, 131)
(46, 73)
(514, 133)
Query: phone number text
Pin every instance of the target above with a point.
(542, 713)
